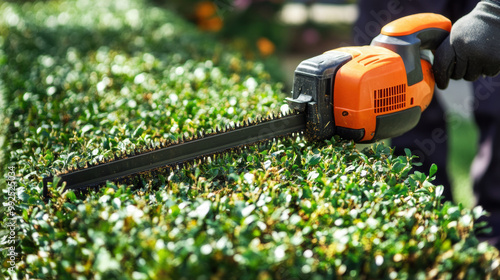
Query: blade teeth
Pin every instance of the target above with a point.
(162, 143)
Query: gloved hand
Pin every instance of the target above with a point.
(472, 48)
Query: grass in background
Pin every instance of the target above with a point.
(462, 149)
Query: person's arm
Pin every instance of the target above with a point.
(473, 47)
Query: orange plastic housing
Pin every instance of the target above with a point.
(374, 83)
(415, 23)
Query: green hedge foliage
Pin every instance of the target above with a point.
(84, 80)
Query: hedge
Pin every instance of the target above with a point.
(84, 80)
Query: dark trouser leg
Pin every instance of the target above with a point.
(485, 169)
(429, 141)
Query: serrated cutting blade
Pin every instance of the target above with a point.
(182, 152)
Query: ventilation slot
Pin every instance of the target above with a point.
(389, 99)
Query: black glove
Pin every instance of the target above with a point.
(473, 47)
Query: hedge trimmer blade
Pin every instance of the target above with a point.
(181, 152)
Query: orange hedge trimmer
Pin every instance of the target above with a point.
(363, 93)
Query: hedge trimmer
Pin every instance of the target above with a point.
(363, 94)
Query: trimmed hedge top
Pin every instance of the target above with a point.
(83, 80)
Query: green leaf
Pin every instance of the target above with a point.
(432, 170)
(478, 212)
(87, 128)
(24, 197)
(398, 167)
(313, 159)
(70, 206)
(439, 191)
(71, 196)
(25, 215)
(138, 132)
(408, 153)
(49, 156)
